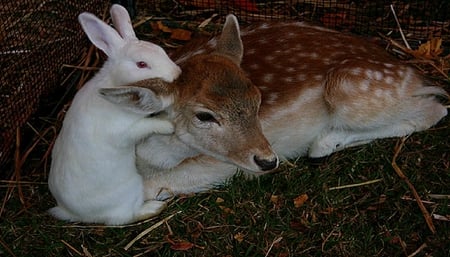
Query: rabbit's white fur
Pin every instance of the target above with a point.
(93, 175)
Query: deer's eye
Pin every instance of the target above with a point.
(205, 117)
(141, 64)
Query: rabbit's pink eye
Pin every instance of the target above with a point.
(141, 64)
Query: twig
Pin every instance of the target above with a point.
(399, 27)
(6, 247)
(400, 173)
(72, 248)
(440, 197)
(355, 185)
(418, 250)
(440, 217)
(276, 241)
(148, 230)
(86, 251)
(18, 162)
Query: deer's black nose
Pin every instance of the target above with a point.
(265, 164)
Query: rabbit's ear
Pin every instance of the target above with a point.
(122, 22)
(101, 34)
(136, 99)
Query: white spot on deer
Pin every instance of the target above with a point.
(388, 65)
(297, 47)
(369, 74)
(389, 80)
(378, 75)
(263, 41)
(303, 66)
(281, 40)
(279, 66)
(379, 92)
(268, 78)
(356, 71)
(314, 55)
(386, 71)
(326, 61)
(251, 51)
(301, 77)
(303, 54)
(365, 85)
(290, 69)
(269, 58)
(288, 79)
(254, 66)
(318, 77)
(272, 98)
(293, 60)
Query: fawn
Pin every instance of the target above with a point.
(320, 91)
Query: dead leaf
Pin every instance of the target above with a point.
(219, 200)
(179, 245)
(430, 49)
(239, 237)
(181, 34)
(274, 199)
(163, 27)
(300, 200)
(226, 209)
(327, 210)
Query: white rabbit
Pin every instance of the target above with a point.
(93, 175)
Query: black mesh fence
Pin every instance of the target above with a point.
(36, 38)
(418, 18)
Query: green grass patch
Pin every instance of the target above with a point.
(261, 217)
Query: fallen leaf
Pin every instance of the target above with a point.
(181, 34)
(226, 209)
(327, 210)
(239, 237)
(300, 200)
(274, 199)
(181, 246)
(163, 27)
(430, 49)
(219, 200)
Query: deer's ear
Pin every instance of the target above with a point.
(230, 43)
(136, 99)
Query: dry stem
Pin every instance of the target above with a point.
(426, 214)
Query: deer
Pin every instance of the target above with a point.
(296, 90)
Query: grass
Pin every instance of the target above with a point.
(259, 218)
